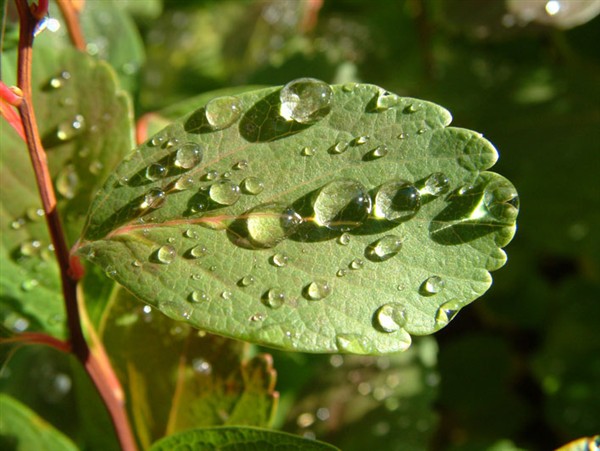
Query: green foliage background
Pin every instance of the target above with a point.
(518, 369)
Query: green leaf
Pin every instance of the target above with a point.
(271, 237)
(237, 438)
(21, 429)
(205, 380)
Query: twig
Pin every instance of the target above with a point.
(71, 15)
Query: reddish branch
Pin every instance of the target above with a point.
(70, 12)
(100, 372)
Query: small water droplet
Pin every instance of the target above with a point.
(202, 366)
(412, 108)
(357, 263)
(397, 201)
(432, 285)
(447, 312)
(30, 248)
(384, 248)
(352, 343)
(155, 198)
(188, 156)
(222, 112)
(436, 184)
(280, 260)
(166, 254)
(110, 271)
(241, 165)
(421, 131)
(226, 295)
(308, 151)
(226, 175)
(198, 251)
(123, 181)
(318, 289)
(56, 82)
(183, 183)
(172, 142)
(253, 185)
(360, 140)
(210, 175)
(95, 167)
(156, 171)
(390, 317)
(17, 223)
(386, 100)
(403, 136)
(29, 284)
(257, 317)
(344, 239)
(68, 130)
(269, 224)
(342, 205)
(224, 192)
(274, 298)
(34, 214)
(136, 264)
(349, 87)
(67, 181)
(157, 140)
(190, 233)
(378, 152)
(305, 100)
(246, 281)
(339, 147)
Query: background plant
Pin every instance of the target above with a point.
(526, 349)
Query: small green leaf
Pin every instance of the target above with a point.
(21, 429)
(237, 438)
(309, 218)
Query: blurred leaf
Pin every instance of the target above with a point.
(21, 429)
(237, 438)
(204, 380)
(206, 256)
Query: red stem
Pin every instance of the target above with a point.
(71, 15)
(101, 374)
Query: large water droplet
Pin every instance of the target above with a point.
(305, 100)
(386, 100)
(222, 112)
(188, 156)
(253, 185)
(390, 317)
(183, 183)
(166, 254)
(397, 201)
(378, 152)
(433, 285)
(224, 192)
(384, 248)
(280, 259)
(70, 129)
(155, 198)
(156, 171)
(269, 224)
(318, 289)
(274, 298)
(344, 239)
(436, 184)
(67, 181)
(342, 205)
(501, 200)
(199, 296)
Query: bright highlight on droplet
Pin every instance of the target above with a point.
(553, 7)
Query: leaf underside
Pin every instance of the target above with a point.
(198, 259)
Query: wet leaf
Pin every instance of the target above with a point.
(22, 428)
(237, 438)
(307, 218)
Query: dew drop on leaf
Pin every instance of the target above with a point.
(29, 284)
(155, 172)
(157, 140)
(274, 298)
(344, 239)
(253, 185)
(318, 289)
(155, 198)
(183, 183)
(357, 263)
(433, 285)
(198, 296)
(378, 152)
(67, 181)
(226, 295)
(269, 224)
(390, 317)
(386, 100)
(69, 129)
(447, 312)
(397, 201)
(360, 140)
(241, 165)
(436, 184)
(308, 151)
(30, 248)
(280, 260)
(501, 200)
(198, 251)
(246, 281)
(339, 147)
(188, 156)
(342, 205)
(224, 192)
(305, 100)
(384, 248)
(166, 254)
(222, 112)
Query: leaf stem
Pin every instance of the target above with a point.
(99, 371)
(71, 15)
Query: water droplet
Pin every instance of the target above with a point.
(222, 112)
(95, 167)
(67, 181)
(70, 129)
(172, 142)
(123, 181)
(136, 264)
(155, 198)
(34, 214)
(257, 317)
(318, 289)
(342, 205)
(253, 185)
(403, 136)
(384, 248)
(412, 108)
(241, 165)
(280, 260)
(156, 171)
(349, 87)
(20, 324)
(344, 239)
(305, 100)
(339, 147)
(386, 100)
(421, 131)
(436, 184)
(390, 317)
(29, 284)
(110, 271)
(352, 343)
(378, 152)
(17, 223)
(210, 175)
(190, 233)
(341, 272)
(30, 248)
(432, 285)
(56, 83)
(183, 183)
(501, 200)
(198, 251)
(274, 298)
(188, 156)
(360, 140)
(269, 224)
(226, 175)
(447, 312)
(157, 140)
(202, 366)
(357, 263)
(246, 281)
(224, 192)
(308, 151)
(166, 254)
(397, 201)
(226, 295)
